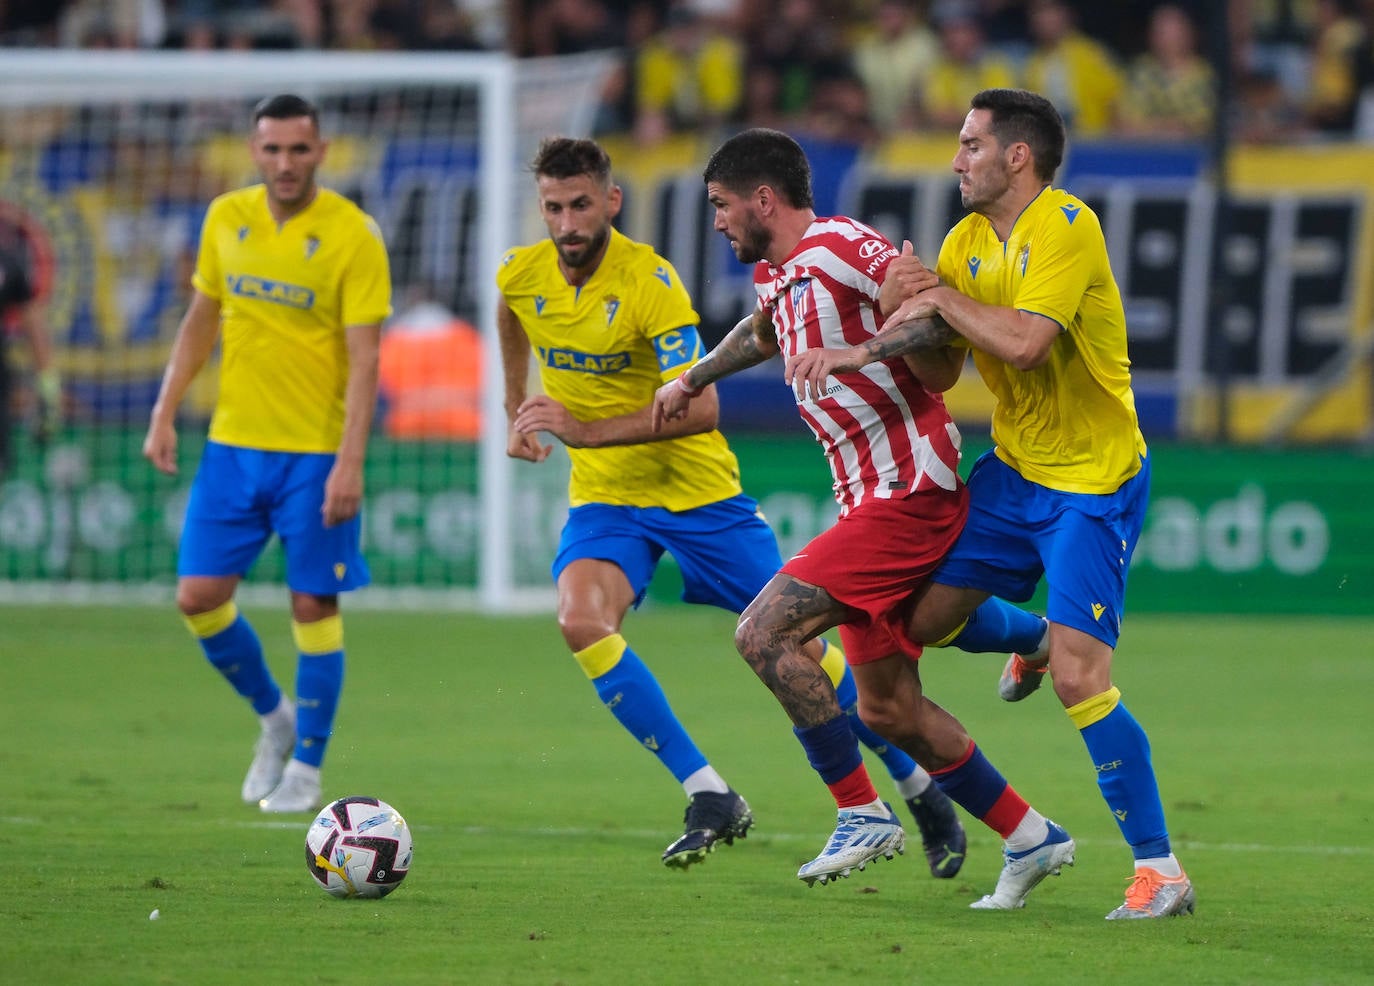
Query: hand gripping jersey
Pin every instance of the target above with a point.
(884, 434)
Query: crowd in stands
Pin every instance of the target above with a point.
(1297, 69)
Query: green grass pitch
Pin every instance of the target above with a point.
(538, 823)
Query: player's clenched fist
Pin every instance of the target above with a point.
(908, 274)
(671, 400)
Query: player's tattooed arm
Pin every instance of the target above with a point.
(909, 336)
(923, 332)
(749, 343)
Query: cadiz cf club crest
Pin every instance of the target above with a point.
(612, 304)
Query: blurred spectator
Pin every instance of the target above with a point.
(1170, 90)
(833, 131)
(1270, 40)
(795, 41)
(243, 24)
(1120, 25)
(569, 27)
(966, 65)
(689, 76)
(763, 96)
(892, 61)
(566, 27)
(113, 24)
(1333, 89)
(839, 111)
(29, 23)
(1074, 72)
(421, 25)
(1004, 25)
(1263, 112)
(487, 21)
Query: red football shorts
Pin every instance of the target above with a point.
(874, 558)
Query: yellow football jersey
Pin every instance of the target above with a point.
(287, 291)
(603, 349)
(1069, 424)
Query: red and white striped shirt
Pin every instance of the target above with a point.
(884, 434)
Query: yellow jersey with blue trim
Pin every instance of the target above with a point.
(603, 349)
(287, 291)
(1069, 424)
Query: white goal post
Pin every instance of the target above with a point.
(107, 161)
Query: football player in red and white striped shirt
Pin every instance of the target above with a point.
(893, 453)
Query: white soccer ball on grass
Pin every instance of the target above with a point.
(358, 847)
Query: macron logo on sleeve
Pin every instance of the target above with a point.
(973, 264)
(1070, 212)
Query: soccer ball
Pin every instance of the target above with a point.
(358, 847)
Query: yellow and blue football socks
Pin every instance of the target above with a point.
(1125, 775)
(232, 647)
(629, 689)
(319, 681)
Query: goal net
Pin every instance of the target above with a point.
(108, 163)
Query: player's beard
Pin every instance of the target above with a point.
(986, 190)
(296, 195)
(582, 255)
(753, 242)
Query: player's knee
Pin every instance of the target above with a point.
(580, 630)
(884, 715)
(755, 637)
(195, 598)
(930, 627)
(1076, 683)
(309, 608)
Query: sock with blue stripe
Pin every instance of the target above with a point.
(232, 647)
(633, 695)
(319, 682)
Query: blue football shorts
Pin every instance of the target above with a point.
(726, 550)
(1081, 543)
(242, 496)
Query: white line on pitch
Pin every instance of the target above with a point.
(582, 833)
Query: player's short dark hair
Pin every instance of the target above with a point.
(1020, 116)
(286, 106)
(568, 157)
(762, 157)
